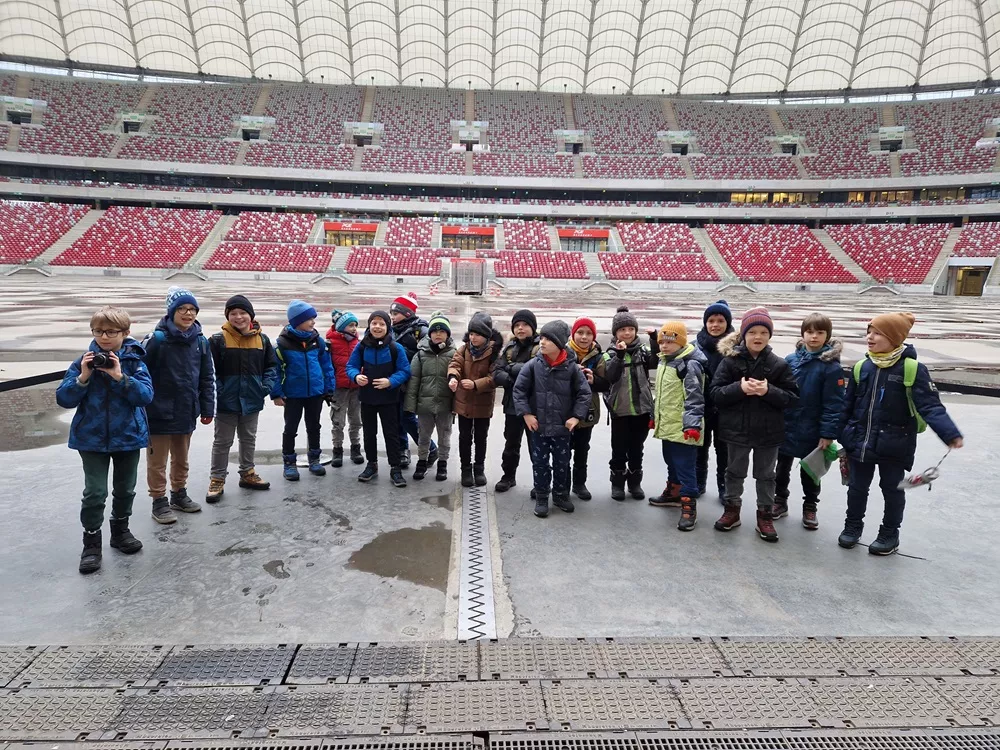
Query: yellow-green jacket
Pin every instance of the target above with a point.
(679, 395)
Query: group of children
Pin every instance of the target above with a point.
(727, 388)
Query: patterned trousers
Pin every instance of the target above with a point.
(554, 473)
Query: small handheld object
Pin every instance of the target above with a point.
(924, 478)
(101, 361)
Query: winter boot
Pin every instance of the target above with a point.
(479, 474)
(338, 458)
(542, 506)
(216, 486)
(315, 467)
(90, 558)
(618, 485)
(563, 503)
(356, 457)
(885, 543)
(730, 518)
(370, 472)
(671, 497)
(780, 508)
(580, 484)
(467, 479)
(251, 480)
(162, 512)
(689, 514)
(851, 534)
(809, 519)
(432, 454)
(179, 500)
(634, 487)
(505, 483)
(291, 471)
(421, 471)
(442, 472)
(404, 458)
(765, 524)
(122, 539)
(396, 476)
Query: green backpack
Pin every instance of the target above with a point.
(909, 378)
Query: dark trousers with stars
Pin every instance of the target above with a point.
(550, 464)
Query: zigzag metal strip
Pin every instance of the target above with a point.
(475, 591)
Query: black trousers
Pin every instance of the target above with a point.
(513, 429)
(294, 409)
(711, 435)
(470, 430)
(628, 435)
(810, 489)
(389, 415)
(579, 443)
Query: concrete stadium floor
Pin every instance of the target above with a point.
(331, 560)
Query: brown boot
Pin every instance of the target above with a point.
(689, 514)
(780, 508)
(730, 518)
(671, 497)
(251, 480)
(765, 524)
(809, 519)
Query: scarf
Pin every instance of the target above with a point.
(580, 353)
(302, 335)
(883, 360)
(557, 360)
(438, 348)
(709, 343)
(478, 352)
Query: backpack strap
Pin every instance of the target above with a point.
(909, 378)
(857, 370)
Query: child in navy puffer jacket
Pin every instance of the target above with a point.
(305, 380)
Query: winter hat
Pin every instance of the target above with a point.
(674, 331)
(380, 314)
(622, 319)
(584, 323)
(439, 322)
(343, 320)
(405, 305)
(239, 302)
(556, 331)
(894, 326)
(299, 312)
(177, 296)
(756, 316)
(720, 307)
(524, 316)
(482, 324)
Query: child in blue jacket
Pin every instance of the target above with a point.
(305, 379)
(108, 386)
(379, 366)
(813, 421)
(880, 427)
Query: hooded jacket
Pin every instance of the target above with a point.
(428, 391)
(709, 346)
(109, 415)
(627, 373)
(379, 358)
(593, 360)
(246, 369)
(552, 393)
(877, 426)
(306, 370)
(477, 403)
(341, 347)
(680, 401)
(180, 365)
(821, 398)
(513, 357)
(757, 421)
(408, 334)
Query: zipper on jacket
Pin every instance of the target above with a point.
(305, 359)
(871, 413)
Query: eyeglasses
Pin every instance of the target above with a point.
(110, 332)
(187, 310)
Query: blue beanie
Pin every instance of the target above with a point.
(177, 296)
(719, 308)
(299, 312)
(344, 320)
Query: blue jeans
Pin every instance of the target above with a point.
(409, 427)
(681, 461)
(889, 477)
(556, 473)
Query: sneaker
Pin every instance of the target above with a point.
(356, 457)
(563, 503)
(885, 543)
(809, 519)
(179, 500)
(442, 470)
(404, 458)
(505, 483)
(780, 509)
(338, 458)
(216, 486)
(730, 519)
(90, 558)
(582, 492)
(162, 512)
(851, 534)
(251, 480)
(370, 472)
(467, 478)
(421, 471)
(479, 475)
(689, 514)
(669, 498)
(542, 506)
(396, 476)
(122, 539)
(765, 524)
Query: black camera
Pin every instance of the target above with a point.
(102, 361)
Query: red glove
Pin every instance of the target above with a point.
(652, 423)
(692, 435)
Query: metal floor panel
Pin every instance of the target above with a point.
(56, 714)
(475, 707)
(563, 741)
(726, 740)
(782, 657)
(981, 655)
(305, 743)
(882, 702)
(902, 656)
(190, 713)
(612, 704)
(13, 659)
(338, 709)
(541, 659)
(91, 666)
(229, 664)
(663, 657)
(976, 697)
(443, 742)
(968, 739)
(752, 702)
(321, 664)
(437, 661)
(89, 745)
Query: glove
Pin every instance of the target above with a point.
(692, 435)
(328, 397)
(652, 423)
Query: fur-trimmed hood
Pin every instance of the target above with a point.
(729, 345)
(830, 353)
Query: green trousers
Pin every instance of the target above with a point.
(95, 486)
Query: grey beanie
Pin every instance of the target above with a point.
(622, 319)
(556, 331)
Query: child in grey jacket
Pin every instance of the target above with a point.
(429, 397)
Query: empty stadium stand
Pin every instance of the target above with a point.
(528, 265)
(29, 228)
(253, 226)
(777, 253)
(900, 253)
(979, 239)
(270, 256)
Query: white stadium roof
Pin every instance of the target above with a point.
(680, 47)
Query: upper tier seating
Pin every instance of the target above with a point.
(422, 162)
(727, 128)
(398, 261)
(979, 239)
(137, 237)
(206, 110)
(620, 125)
(840, 136)
(630, 167)
(409, 231)
(307, 113)
(417, 118)
(900, 253)
(526, 235)
(657, 238)
(270, 256)
(777, 253)
(167, 148)
(528, 165)
(300, 156)
(29, 228)
(513, 264)
(658, 267)
(946, 132)
(252, 226)
(744, 168)
(521, 121)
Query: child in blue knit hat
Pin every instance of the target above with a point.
(345, 406)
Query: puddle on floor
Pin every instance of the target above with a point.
(30, 418)
(420, 556)
(440, 501)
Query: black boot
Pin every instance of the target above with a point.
(562, 502)
(404, 458)
(370, 472)
(122, 539)
(421, 471)
(885, 543)
(851, 534)
(618, 485)
(432, 454)
(634, 478)
(542, 506)
(356, 457)
(467, 478)
(90, 559)
(442, 472)
(580, 483)
(338, 458)
(479, 474)
(396, 476)
(505, 483)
